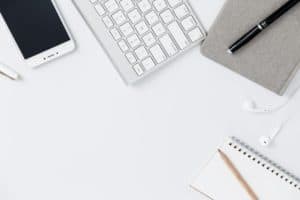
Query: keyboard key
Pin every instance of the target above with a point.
(141, 28)
(123, 46)
(181, 11)
(148, 64)
(152, 18)
(126, 29)
(174, 3)
(159, 29)
(168, 45)
(111, 5)
(100, 10)
(178, 35)
(115, 33)
(130, 57)
(149, 39)
(195, 34)
(188, 23)
(134, 16)
(148, 32)
(141, 53)
(144, 5)
(107, 21)
(159, 5)
(134, 41)
(119, 17)
(127, 5)
(167, 16)
(158, 54)
(138, 70)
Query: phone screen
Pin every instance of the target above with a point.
(35, 25)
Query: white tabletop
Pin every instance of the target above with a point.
(72, 130)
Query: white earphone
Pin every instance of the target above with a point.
(267, 140)
(251, 106)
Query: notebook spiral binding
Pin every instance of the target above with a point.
(264, 162)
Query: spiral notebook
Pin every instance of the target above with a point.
(267, 180)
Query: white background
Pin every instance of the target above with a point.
(72, 130)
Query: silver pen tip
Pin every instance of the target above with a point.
(229, 51)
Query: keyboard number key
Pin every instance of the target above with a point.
(131, 59)
(174, 3)
(141, 28)
(195, 34)
(126, 29)
(100, 10)
(134, 16)
(111, 5)
(126, 5)
(159, 5)
(141, 53)
(178, 35)
(115, 33)
(168, 45)
(167, 16)
(158, 54)
(181, 11)
(188, 23)
(133, 41)
(148, 64)
(138, 70)
(123, 46)
(149, 39)
(119, 17)
(107, 21)
(152, 18)
(159, 29)
(144, 5)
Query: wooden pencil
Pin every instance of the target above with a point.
(237, 175)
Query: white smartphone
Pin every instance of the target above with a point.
(38, 29)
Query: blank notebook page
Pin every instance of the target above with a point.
(268, 181)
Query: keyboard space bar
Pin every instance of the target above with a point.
(178, 35)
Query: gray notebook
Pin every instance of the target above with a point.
(272, 58)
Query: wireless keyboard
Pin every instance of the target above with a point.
(140, 36)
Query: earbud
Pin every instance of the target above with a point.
(250, 106)
(267, 140)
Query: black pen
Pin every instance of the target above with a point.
(261, 26)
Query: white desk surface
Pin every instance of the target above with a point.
(72, 130)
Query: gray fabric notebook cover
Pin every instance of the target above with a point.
(272, 58)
